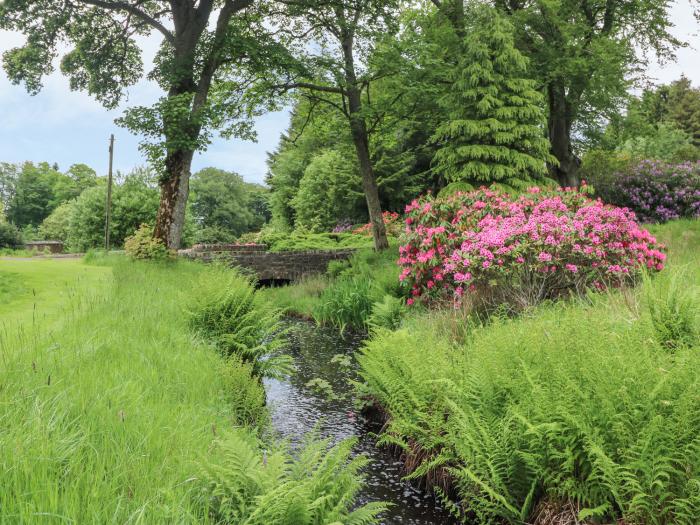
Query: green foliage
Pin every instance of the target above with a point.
(318, 486)
(580, 403)
(142, 245)
(10, 236)
(673, 310)
(387, 313)
(224, 206)
(665, 143)
(300, 240)
(228, 312)
(57, 225)
(495, 127)
(349, 300)
(329, 191)
(600, 168)
(134, 202)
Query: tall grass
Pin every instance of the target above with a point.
(122, 415)
(576, 410)
(349, 300)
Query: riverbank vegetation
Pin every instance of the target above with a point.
(118, 410)
(573, 411)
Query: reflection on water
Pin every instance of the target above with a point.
(297, 409)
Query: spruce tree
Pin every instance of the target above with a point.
(495, 130)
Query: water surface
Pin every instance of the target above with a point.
(297, 409)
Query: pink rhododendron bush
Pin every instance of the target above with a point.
(489, 247)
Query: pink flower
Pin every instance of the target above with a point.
(544, 257)
(572, 268)
(409, 302)
(486, 264)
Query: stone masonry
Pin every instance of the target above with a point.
(266, 265)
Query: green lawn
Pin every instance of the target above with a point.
(37, 289)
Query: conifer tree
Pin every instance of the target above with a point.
(495, 130)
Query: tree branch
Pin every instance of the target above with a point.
(132, 9)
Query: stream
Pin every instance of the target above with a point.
(297, 409)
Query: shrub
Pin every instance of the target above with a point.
(227, 312)
(57, 225)
(392, 221)
(658, 191)
(10, 236)
(387, 313)
(142, 245)
(317, 484)
(499, 249)
(572, 405)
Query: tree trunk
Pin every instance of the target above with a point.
(559, 127)
(369, 184)
(174, 191)
(360, 138)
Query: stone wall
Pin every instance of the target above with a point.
(266, 265)
(43, 246)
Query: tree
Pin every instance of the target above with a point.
(495, 129)
(56, 227)
(33, 198)
(134, 202)
(585, 54)
(203, 44)
(223, 205)
(328, 192)
(335, 73)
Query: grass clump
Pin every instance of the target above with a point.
(227, 311)
(349, 300)
(240, 488)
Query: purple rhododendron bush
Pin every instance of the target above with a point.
(658, 191)
(489, 247)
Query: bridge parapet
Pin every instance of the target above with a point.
(266, 265)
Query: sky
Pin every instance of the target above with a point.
(67, 127)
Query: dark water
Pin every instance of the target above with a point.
(298, 409)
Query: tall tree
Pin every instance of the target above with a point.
(495, 128)
(336, 72)
(585, 54)
(202, 42)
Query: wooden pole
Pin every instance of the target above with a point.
(108, 204)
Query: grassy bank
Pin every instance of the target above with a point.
(345, 296)
(584, 410)
(122, 414)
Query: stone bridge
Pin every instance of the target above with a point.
(266, 265)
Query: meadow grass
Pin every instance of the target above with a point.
(38, 289)
(104, 416)
(115, 410)
(579, 410)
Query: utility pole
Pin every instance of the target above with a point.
(108, 204)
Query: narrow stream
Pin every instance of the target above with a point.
(297, 409)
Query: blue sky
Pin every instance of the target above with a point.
(69, 127)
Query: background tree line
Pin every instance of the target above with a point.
(41, 202)
(420, 94)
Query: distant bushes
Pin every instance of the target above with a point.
(492, 248)
(10, 236)
(659, 191)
